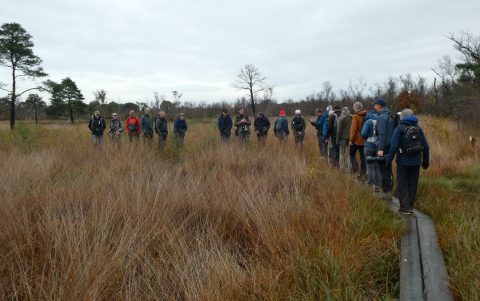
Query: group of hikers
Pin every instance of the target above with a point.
(376, 137)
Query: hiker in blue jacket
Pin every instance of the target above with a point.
(280, 129)
(319, 124)
(225, 125)
(385, 127)
(370, 133)
(180, 128)
(411, 148)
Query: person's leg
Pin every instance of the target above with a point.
(94, 140)
(402, 177)
(363, 163)
(370, 168)
(413, 176)
(352, 153)
(336, 154)
(388, 173)
(100, 140)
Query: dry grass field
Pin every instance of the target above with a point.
(205, 222)
(450, 194)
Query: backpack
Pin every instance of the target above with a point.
(374, 137)
(279, 124)
(297, 123)
(411, 141)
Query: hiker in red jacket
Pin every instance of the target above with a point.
(132, 126)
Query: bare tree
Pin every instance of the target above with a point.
(250, 80)
(327, 93)
(100, 96)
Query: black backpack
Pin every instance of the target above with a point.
(297, 123)
(411, 143)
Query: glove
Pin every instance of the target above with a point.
(425, 165)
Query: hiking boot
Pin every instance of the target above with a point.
(362, 177)
(405, 211)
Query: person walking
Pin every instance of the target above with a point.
(385, 127)
(225, 124)
(411, 148)
(180, 128)
(132, 127)
(280, 130)
(97, 127)
(298, 128)
(370, 133)
(242, 125)
(161, 129)
(261, 125)
(318, 123)
(357, 143)
(331, 135)
(115, 128)
(344, 122)
(146, 125)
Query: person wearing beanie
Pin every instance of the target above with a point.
(331, 135)
(385, 126)
(411, 148)
(225, 125)
(357, 143)
(132, 127)
(161, 128)
(242, 126)
(344, 123)
(280, 129)
(298, 127)
(261, 125)
(319, 125)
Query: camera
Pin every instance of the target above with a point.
(373, 159)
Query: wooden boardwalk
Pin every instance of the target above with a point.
(423, 275)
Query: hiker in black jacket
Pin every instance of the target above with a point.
(225, 125)
(161, 129)
(97, 127)
(261, 125)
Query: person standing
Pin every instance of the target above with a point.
(97, 127)
(280, 130)
(385, 127)
(180, 128)
(343, 138)
(147, 126)
(331, 136)
(411, 148)
(225, 125)
(132, 126)
(318, 124)
(370, 133)
(357, 143)
(115, 128)
(242, 124)
(261, 125)
(298, 127)
(161, 129)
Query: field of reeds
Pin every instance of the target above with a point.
(202, 222)
(450, 194)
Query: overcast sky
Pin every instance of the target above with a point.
(133, 48)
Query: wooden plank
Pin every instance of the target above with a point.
(411, 283)
(435, 275)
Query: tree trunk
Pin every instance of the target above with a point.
(252, 102)
(12, 101)
(71, 111)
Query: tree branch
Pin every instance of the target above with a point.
(35, 88)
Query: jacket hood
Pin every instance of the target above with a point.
(362, 112)
(410, 120)
(371, 115)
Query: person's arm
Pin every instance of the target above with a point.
(127, 128)
(90, 124)
(339, 122)
(247, 121)
(268, 124)
(354, 127)
(426, 152)
(219, 124)
(395, 144)
(139, 130)
(366, 129)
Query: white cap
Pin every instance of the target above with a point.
(297, 112)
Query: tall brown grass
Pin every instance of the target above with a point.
(203, 222)
(450, 194)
